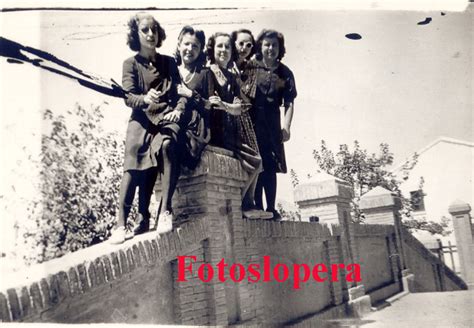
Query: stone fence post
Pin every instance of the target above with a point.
(463, 230)
(382, 206)
(329, 198)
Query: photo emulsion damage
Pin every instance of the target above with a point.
(236, 165)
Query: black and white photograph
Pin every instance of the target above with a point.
(225, 163)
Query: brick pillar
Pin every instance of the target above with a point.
(324, 196)
(463, 230)
(382, 206)
(329, 198)
(212, 193)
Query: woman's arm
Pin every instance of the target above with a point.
(288, 117)
(134, 98)
(289, 95)
(236, 108)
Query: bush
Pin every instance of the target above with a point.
(80, 174)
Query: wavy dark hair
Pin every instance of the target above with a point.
(234, 35)
(133, 39)
(212, 42)
(270, 34)
(200, 36)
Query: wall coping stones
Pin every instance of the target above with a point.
(459, 207)
(373, 229)
(78, 272)
(379, 198)
(285, 229)
(323, 186)
(219, 162)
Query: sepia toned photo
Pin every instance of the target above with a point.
(247, 164)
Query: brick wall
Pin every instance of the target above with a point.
(292, 243)
(137, 282)
(379, 260)
(129, 283)
(431, 274)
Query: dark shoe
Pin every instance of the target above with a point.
(276, 214)
(142, 226)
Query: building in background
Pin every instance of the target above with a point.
(446, 166)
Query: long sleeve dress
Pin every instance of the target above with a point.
(269, 89)
(196, 121)
(147, 129)
(227, 131)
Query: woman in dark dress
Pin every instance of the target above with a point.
(150, 80)
(270, 84)
(230, 127)
(195, 86)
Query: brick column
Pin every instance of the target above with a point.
(212, 193)
(329, 198)
(382, 206)
(324, 196)
(463, 230)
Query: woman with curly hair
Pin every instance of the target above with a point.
(231, 127)
(150, 81)
(195, 86)
(245, 47)
(270, 84)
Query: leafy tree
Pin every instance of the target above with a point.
(80, 171)
(366, 171)
(287, 214)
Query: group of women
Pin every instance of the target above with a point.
(226, 93)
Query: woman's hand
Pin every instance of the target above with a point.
(184, 91)
(285, 134)
(245, 107)
(173, 116)
(216, 101)
(152, 97)
(233, 110)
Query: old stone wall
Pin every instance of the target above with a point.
(130, 283)
(379, 260)
(431, 274)
(137, 282)
(291, 243)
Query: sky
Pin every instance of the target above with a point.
(402, 83)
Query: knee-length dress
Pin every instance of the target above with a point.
(269, 89)
(227, 131)
(196, 120)
(147, 128)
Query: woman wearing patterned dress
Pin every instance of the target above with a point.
(229, 127)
